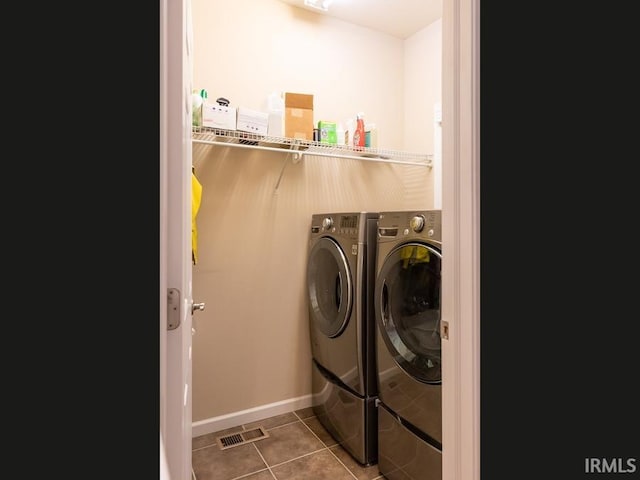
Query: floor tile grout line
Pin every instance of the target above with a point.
(327, 447)
(203, 447)
(313, 433)
(264, 460)
(296, 414)
(246, 475)
(280, 426)
(253, 473)
(298, 458)
(347, 468)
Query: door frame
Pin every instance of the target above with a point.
(461, 239)
(175, 284)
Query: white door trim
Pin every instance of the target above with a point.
(175, 239)
(461, 239)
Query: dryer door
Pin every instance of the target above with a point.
(407, 308)
(330, 287)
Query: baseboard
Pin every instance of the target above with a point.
(222, 422)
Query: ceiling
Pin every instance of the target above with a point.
(400, 18)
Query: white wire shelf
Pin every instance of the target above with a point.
(300, 148)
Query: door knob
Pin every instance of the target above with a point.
(197, 306)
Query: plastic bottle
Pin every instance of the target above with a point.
(196, 109)
(348, 136)
(340, 133)
(197, 100)
(275, 109)
(358, 135)
(371, 135)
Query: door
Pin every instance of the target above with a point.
(175, 240)
(407, 308)
(334, 309)
(330, 287)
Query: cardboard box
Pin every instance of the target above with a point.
(252, 121)
(298, 116)
(218, 116)
(328, 132)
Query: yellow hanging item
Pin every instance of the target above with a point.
(414, 254)
(196, 197)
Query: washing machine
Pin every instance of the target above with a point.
(340, 281)
(407, 297)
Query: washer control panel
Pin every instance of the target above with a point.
(424, 224)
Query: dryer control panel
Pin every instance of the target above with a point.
(421, 224)
(346, 228)
(345, 225)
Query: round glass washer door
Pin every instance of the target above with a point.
(407, 309)
(330, 287)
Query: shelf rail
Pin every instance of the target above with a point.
(299, 147)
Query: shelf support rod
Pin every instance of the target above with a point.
(295, 156)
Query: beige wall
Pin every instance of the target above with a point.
(251, 346)
(423, 86)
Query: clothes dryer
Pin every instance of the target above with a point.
(340, 281)
(407, 310)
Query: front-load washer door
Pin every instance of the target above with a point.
(330, 287)
(407, 308)
(333, 324)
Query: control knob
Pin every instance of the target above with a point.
(417, 223)
(327, 223)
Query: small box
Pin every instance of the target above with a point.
(218, 116)
(252, 121)
(328, 132)
(298, 115)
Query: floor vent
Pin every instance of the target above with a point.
(241, 438)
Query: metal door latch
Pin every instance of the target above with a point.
(197, 306)
(173, 308)
(445, 330)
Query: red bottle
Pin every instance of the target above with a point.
(358, 135)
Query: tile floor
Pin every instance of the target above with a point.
(298, 448)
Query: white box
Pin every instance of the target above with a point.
(252, 121)
(218, 116)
